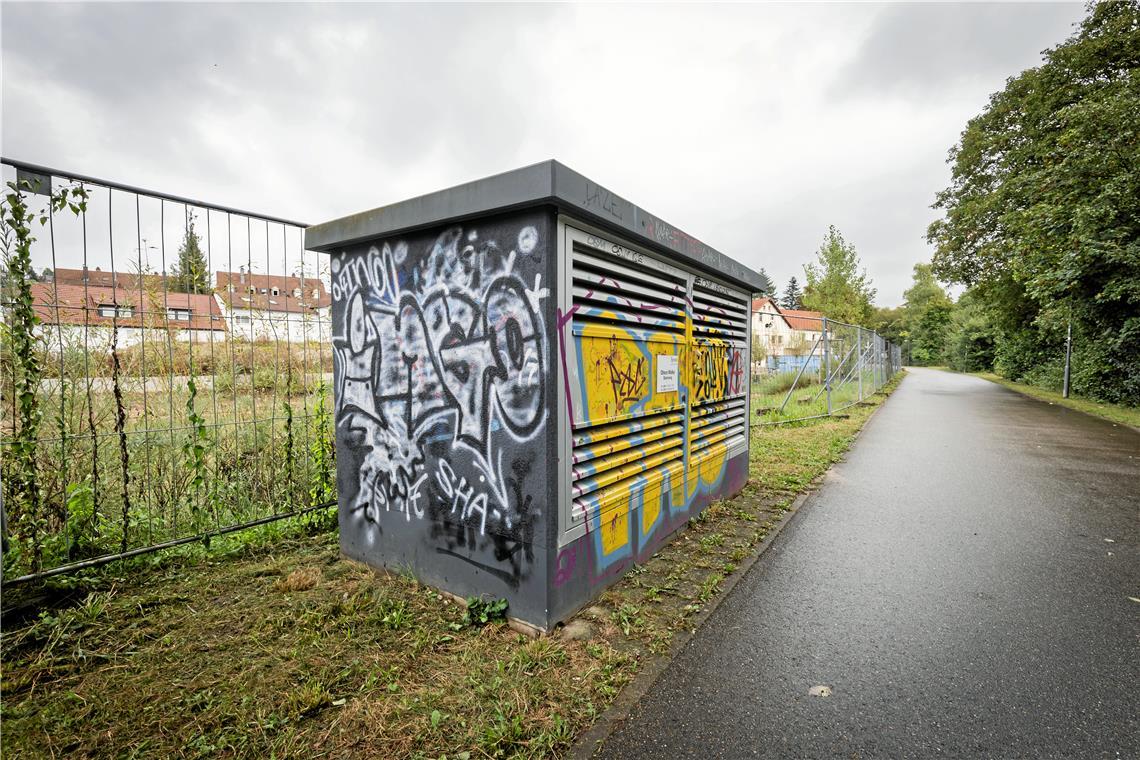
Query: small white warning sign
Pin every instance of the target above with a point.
(666, 373)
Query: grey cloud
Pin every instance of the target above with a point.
(417, 78)
(920, 50)
(881, 215)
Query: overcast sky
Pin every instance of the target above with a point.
(751, 127)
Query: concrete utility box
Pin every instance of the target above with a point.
(536, 383)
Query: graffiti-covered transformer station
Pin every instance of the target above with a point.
(536, 383)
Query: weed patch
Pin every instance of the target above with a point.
(481, 611)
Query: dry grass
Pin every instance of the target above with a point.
(162, 357)
(290, 651)
(301, 579)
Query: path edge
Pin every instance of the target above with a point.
(1031, 397)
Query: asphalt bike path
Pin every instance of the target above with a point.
(963, 584)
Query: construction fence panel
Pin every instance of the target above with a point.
(165, 370)
(809, 367)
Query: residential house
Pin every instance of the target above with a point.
(274, 307)
(786, 335)
(770, 330)
(94, 317)
(807, 324)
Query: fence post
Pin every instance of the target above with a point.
(886, 362)
(878, 362)
(859, 362)
(827, 365)
(882, 362)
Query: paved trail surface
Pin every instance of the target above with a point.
(961, 582)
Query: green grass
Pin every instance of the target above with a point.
(1122, 415)
(251, 465)
(280, 648)
(808, 399)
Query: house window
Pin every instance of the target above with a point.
(296, 292)
(242, 320)
(276, 292)
(263, 291)
(182, 315)
(252, 290)
(110, 310)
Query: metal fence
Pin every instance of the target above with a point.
(165, 371)
(807, 367)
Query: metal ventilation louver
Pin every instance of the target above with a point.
(629, 311)
(636, 438)
(719, 414)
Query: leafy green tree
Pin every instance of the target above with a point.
(793, 296)
(971, 336)
(926, 316)
(759, 352)
(889, 323)
(925, 290)
(836, 284)
(190, 273)
(927, 336)
(1042, 216)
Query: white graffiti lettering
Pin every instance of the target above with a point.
(440, 353)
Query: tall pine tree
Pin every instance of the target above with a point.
(190, 274)
(793, 296)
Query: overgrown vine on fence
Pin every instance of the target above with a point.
(289, 455)
(121, 427)
(194, 449)
(17, 217)
(322, 487)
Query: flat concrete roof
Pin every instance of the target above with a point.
(548, 182)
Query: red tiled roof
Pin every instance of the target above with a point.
(107, 279)
(240, 297)
(801, 319)
(60, 303)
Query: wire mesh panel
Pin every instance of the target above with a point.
(165, 370)
(806, 366)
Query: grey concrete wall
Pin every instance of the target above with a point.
(445, 397)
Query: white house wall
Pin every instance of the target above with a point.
(294, 327)
(774, 339)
